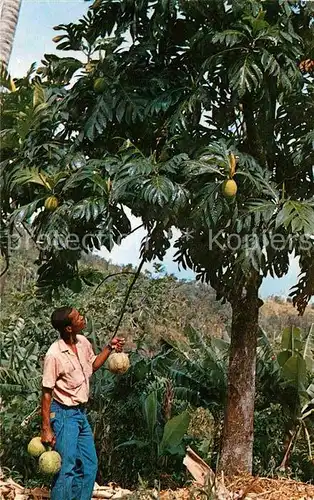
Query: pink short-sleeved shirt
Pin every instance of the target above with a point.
(67, 374)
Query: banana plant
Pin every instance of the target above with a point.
(295, 360)
(162, 439)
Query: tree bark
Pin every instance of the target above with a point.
(9, 14)
(238, 432)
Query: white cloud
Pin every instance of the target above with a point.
(129, 251)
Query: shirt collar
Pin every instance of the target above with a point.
(64, 347)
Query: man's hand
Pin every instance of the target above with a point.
(48, 437)
(117, 344)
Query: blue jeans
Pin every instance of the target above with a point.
(75, 443)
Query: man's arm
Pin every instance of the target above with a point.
(50, 375)
(115, 344)
(102, 357)
(47, 436)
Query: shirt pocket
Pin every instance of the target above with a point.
(73, 376)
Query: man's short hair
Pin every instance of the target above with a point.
(60, 318)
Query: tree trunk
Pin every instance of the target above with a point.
(237, 441)
(3, 280)
(9, 14)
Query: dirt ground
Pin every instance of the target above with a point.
(239, 488)
(248, 488)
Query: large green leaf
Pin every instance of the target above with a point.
(159, 190)
(101, 115)
(291, 339)
(88, 209)
(283, 357)
(174, 431)
(26, 211)
(39, 95)
(270, 63)
(294, 372)
(75, 284)
(245, 76)
(32, 175)
(230, 37)
(308, 350)
(150, 412)
(297, 215)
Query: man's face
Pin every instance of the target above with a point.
(77, 321)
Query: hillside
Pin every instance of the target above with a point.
(277, 315)
(159, 305)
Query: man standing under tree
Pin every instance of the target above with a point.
(69, 363)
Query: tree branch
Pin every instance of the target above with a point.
(30, 235)
(126, 298)
(253, 140)
(110, 276)
(7, 263)
(293, 438)
(122, 272)
(135, 229)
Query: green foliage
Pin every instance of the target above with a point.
(153, 303)
(198, 88)
(217, 81)
(150, 413)
(161, 442)
(18, 361)
(269, 439)
(140, 420)
(173, 433)
(15, 437)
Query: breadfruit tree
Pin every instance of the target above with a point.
(193, 114)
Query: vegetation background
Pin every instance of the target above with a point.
(178, 339)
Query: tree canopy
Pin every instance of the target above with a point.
(168, 93)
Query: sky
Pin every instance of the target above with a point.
(33, 39)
